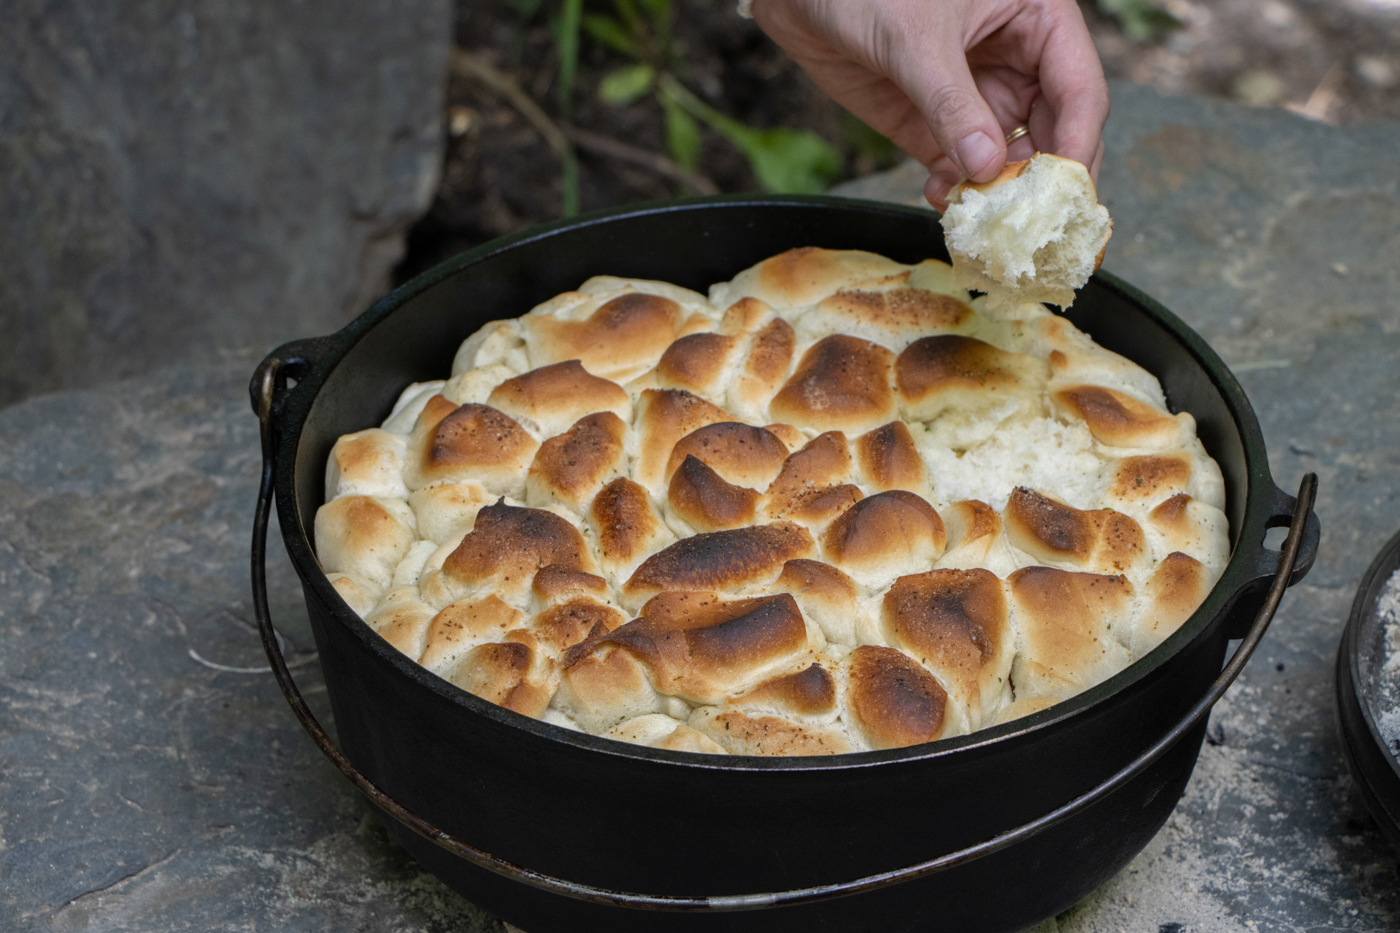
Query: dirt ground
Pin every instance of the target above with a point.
(1332, 60)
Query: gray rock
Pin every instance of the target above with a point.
(140, 787)
(182, 179)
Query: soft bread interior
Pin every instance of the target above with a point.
(1034, 233)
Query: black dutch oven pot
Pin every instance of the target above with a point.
(554, 830)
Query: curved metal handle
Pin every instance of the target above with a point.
(267, 384)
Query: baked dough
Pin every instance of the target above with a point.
(834, 506)
(1036, 232)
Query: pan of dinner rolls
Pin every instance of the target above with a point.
(722, 565)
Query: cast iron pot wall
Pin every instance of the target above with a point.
(640, 819)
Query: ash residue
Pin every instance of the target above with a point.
(1388, 708)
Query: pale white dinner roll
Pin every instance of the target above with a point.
(1036, 232)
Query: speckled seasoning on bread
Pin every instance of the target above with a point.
(834, 506)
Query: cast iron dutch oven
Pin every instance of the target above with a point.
(553, 830)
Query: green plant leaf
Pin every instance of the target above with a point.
(566, 33)
(790, 161)
(658, 10)
(608, 31)
(682, 133)
(621, 87)
(784, 161)
(1142, 21)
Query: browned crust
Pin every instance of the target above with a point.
(1062, 614)
(894, 701)
(628, 331)
(955, 620)
(809, 692)
(624, 520)
(1103, 250)
(842, 383)
(1008, 171)
(351, 528)
(722, 560)
(470, 620)
(970, 520)
(474, 437)
(889, 459)
(666, 416)
(807, 274)
(897, 310)
(512, 543)
(810, 578)
(574, 464)
(1171, 515)
(1140, 478)
(498, 672)
(554, 583)
(569, 623)
(824, 462)
(953, 362)
(883, 526)
(606, 687)
(1178, 586)
(562, 388)
(1116, 419)
(738, 452)
(770, 353)
(695, 362)
(702, 498)
(1050, 530)
(701, 647)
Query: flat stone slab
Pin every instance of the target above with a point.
(182, 180)
(152, 777)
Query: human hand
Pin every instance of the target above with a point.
(946, 80)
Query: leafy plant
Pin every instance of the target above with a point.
(783, 160)
(566, 38)
(1142, 20)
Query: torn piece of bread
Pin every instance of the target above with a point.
(1036, 232)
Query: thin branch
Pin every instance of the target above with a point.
(658, 163)
(473, 65)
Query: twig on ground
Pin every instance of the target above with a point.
(473, 65)
(625, 152)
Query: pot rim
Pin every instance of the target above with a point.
(311, 361)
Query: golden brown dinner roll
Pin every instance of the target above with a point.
(841, 384)
(955, 622)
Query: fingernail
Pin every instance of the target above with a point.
(975, 152)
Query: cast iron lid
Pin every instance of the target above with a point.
(1362, 698)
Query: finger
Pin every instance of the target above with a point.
(1072, 82)
(1098, 160)
(943, 175)
(960, 120)
(1022, 148)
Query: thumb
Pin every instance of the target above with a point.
(959, 118)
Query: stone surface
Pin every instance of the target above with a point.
(182, 179)
(142, 789)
